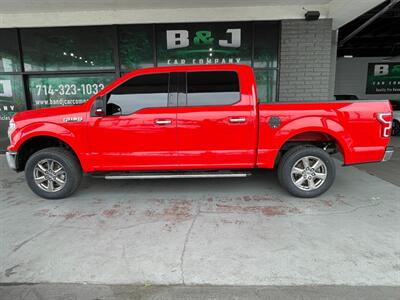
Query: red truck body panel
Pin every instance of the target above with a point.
(207, 138)
(203, 137)
(353, 125)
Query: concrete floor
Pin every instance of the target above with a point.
(56, 291)
(390, 170)
(202, 232)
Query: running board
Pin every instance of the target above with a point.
(177, 175)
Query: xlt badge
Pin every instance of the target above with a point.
(72, 119)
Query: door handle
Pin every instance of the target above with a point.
(237, 120)
(163, 122)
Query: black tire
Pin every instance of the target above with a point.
(396, 128)
(70, 165)
(291, 157)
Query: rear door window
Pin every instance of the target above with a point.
(212, 88)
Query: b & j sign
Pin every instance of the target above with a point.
(204, 43)
(383, 78)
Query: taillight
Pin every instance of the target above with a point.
(386, 121)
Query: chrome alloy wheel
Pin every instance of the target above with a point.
(50, 175)
(309, 173)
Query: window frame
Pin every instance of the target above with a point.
(275, 73)
(118, 72)
(14, 33)
(216, 105)
(112, 68)
(169, 93)
(122, 65)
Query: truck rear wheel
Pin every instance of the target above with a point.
(306, 171)
(53, 173)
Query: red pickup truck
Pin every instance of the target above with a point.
(194, 121)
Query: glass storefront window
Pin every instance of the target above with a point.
(266, 44)
(50, 91)
(9, 57)
(65, 49)
(204, 43)
(266, 85)
(67, 65)
(135, 46)
(12, 100)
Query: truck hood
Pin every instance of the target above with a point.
(46, 114)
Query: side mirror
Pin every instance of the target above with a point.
(99, 107)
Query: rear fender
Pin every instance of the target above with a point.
(324, 125)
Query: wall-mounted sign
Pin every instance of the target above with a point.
(12, 98)
(383, 78)
(50, 91)
(204, 43)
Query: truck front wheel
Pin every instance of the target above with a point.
(306, 171)
(53, 173)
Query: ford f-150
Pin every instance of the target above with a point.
(194, 121)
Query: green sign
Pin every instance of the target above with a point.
(66, 90)
(383, 78)
(204, 43)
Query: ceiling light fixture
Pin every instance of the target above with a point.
(312, 15)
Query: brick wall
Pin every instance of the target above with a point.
(305, 68)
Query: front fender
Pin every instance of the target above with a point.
(38, 129)
(43, 129)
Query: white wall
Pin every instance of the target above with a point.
(155, 15)
(351, 78)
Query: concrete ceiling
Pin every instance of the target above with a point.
(41, 13)
(23, 6)
(380, 38)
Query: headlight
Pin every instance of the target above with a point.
(11, 127)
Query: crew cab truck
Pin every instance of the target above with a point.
(194, 121)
